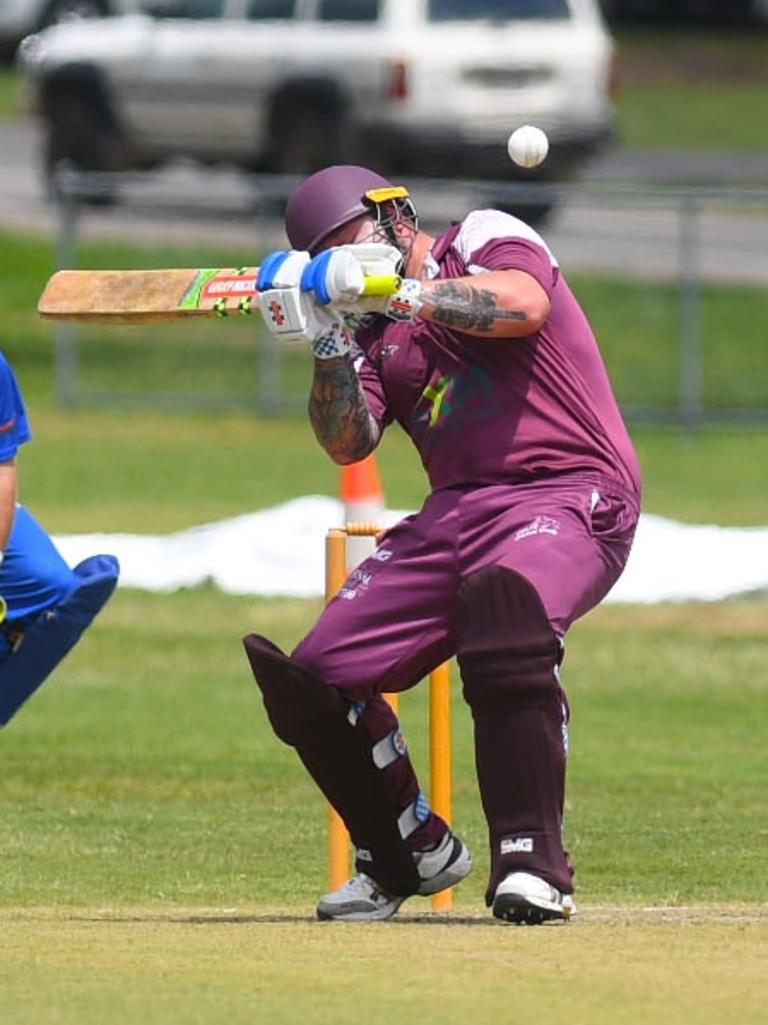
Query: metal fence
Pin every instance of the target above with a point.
(703, 249)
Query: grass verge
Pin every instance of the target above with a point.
(162, 853)
(208, 967)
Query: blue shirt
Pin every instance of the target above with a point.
(14, 426)
(33, 575)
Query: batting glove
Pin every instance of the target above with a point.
(279, 295)
(362, 278)
(334, 276)
(377, 259)
(290, 311)
(380, 263)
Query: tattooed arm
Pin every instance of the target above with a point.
(495, 304)
(338, 411)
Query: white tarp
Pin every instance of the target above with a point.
(280, 552)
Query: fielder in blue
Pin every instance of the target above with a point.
(46, 605)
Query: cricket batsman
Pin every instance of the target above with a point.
(44, 606)
(485, 359)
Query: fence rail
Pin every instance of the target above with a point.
(690, 239)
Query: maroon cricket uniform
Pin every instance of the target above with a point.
(532, 472)
(528, 457)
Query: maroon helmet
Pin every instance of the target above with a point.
(333, 197)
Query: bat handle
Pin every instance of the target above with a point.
(382, 284)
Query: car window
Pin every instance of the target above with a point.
(196, 10)
(348, 10)
(496, 10)
(264, 10)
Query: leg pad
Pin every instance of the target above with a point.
(509, 656)
(313, 717)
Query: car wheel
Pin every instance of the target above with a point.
(81, 137)
(309, 140)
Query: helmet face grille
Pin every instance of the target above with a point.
(388, 215)
(333, 197)
(394, 212)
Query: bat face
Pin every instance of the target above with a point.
(149, 296)
(144, 296)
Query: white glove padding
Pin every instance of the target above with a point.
(404, 305)
(292, 314)
(380, 263)
(378, 259)
(335, 339)
(343, 273)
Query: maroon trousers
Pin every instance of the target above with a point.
(495, 575)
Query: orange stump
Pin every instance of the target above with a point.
(439, 723)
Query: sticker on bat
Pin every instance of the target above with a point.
(214, 288)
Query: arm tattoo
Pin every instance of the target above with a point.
(338, 411)
(463, 307)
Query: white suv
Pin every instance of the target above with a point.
(429, 87)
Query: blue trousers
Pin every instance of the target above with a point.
(49, 607)
(33, 575)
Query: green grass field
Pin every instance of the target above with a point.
(9, 94)
(681, 89)
(161, 853)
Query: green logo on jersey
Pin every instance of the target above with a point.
(469, 392)
(436, 394)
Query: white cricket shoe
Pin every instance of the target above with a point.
(525, 899)
(361, 899)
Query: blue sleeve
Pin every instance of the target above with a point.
(14, 426)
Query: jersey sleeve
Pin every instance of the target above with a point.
(490, 240)
(14, 426)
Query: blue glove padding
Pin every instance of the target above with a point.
(334, 275)
(292, 313)
(313, 278)
(282, 269)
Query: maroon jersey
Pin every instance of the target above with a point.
(487, 411)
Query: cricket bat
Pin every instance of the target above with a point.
(154, 296)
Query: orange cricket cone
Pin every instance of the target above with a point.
(363, 498)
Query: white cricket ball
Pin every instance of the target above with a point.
(527, 146)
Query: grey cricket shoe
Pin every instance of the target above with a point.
(525, 899)
(361, 899)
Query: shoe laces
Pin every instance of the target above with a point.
(362, 887)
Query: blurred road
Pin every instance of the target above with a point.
(620, 218)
